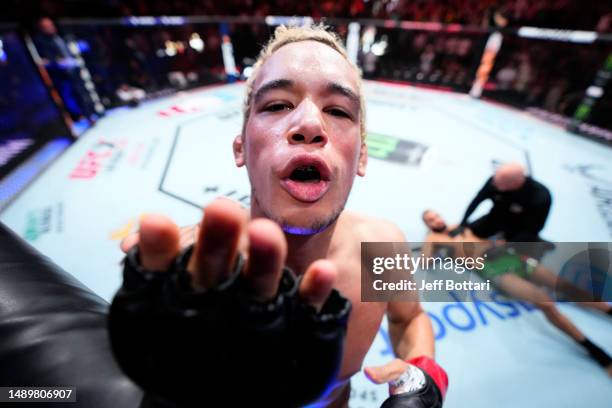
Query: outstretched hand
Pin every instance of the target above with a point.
(202, 309)
(223, 230)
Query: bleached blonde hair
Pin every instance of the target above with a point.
(286, 35)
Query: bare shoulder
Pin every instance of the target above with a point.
(369, 228)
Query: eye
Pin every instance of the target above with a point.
(276, 107)
(338, 112)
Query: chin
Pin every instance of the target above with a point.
(304, 221)
(303, 217)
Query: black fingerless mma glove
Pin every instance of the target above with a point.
(189, 347)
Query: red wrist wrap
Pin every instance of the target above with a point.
(436, 372)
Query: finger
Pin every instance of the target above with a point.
(267, 253)
(385, 373)
(318, 283)
(158, 243)
(216, 248)
(128, 242)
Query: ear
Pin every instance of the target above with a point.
(238, 148)
(363, 159)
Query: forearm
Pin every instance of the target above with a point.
(412, 338)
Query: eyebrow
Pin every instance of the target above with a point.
(271, 86)
(332, 87)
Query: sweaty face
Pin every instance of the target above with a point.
(302, 145)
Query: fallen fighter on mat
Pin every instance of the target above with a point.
(444, 238)
(302, 143)
(517, 276)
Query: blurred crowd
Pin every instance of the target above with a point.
(127, 64)
(436, 58)
(554, 78)
(565, 14)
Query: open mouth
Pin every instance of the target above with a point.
(305, 174)
(306, 178)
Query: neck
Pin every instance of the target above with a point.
(302, 250)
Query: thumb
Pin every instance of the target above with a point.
(385, 373)
(128, 242)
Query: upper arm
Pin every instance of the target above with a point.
(398, 312)
(403, 312)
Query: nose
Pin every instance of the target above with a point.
(307, 126)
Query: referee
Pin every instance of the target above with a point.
(520, 206)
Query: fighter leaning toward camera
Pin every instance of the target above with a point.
(302, 143)
(521, 277)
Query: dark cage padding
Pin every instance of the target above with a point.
(53, 331)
